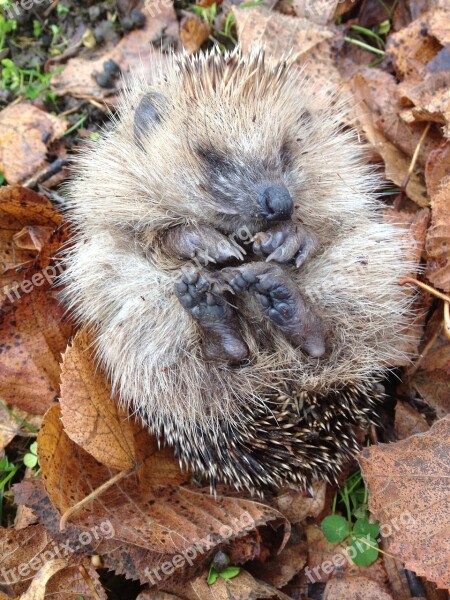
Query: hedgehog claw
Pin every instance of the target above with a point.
(284, 242)
(203, 244)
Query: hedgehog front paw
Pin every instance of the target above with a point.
(199, 294)
(281, 301)
(202, 243)
(284, 242)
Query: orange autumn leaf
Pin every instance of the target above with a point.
(89, 416)
(408, 485)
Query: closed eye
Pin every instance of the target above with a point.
(217, 162)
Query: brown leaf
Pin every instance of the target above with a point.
(326, 560)
(355, 588)
(242, 587)
(438, 23)
(17, 549)
(9, 427)
(424, 65)
(279, 570)
(438, 240)
(408, 421)
(34, 564)
(38, 587)
(408, 485)
(312, 44)
(33, 335)
(321, 12)
(32, 238)
(396, 163)
(296, 506)
(69, 584)
(411, 48)
(21, 209)
(89, 416)
(430, 377)
(151, 511)
(434, 387)
(23, 128)
(194, 31)
(379, 90)
(33, 332)
(125, 559)
(156, 595)
(437, 169)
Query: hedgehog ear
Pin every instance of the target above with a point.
(148, 114)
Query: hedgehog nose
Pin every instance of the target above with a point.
(275, 203)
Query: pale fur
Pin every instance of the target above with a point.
(147, 344)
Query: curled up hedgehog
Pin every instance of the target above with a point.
(232, 260)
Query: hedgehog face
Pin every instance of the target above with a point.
(226, 166)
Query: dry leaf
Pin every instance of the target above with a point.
(34, 564)
(326, 560)
(408, 421)
(409, 492)
(411, 48)
(23, 128)
(194, 31)
(278, 571)
(420, 59)
(32, 238)
(396, 163)
(311, 44)
(9, 427)
(434, 387)
(438, 240)
(355, 588)
(242, 587)
(69, 584)
(438, 23)
(33, 335)
(37, 589)
(432, 379)
(21, 209)
(33, 331)
(156, 595)
(89, 416)
(321, 12)
(437, 169)
(379, 91)
(148, 510)
(296, 506)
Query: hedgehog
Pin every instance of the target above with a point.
(231, 260)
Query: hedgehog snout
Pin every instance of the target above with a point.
(275, 203)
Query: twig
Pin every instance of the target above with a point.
(73, 509)
(88, 580)
(412, 164)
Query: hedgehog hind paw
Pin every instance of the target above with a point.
(281, 302)
(217, 320)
